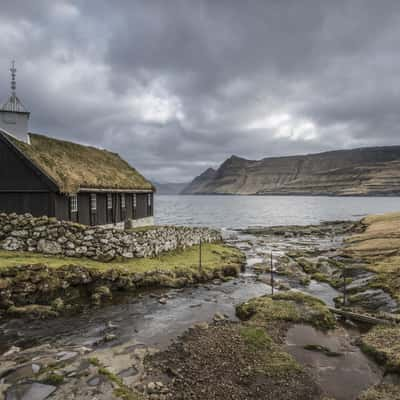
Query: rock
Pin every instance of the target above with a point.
(152, 388)
(219, 317)
(110, 325)
(163, 300)
(49, 247)
(201, 325)
(30, 391)
(110, 337)
(36, 368)
(94, 381)
(66, 355)
(57, 304)
(12, 244)
(11, 351)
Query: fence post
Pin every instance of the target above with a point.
(344, 287)
(200, 266)
(272, 276)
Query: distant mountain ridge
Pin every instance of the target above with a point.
(362, 171)
(170, 187)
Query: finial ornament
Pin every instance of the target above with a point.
(13, 71)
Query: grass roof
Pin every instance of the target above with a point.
(73, 166)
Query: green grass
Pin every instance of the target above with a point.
(383, 343)
(72, 165)
(269, 358)
(213, 256)
(291, 306)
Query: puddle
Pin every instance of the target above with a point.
(342, 377)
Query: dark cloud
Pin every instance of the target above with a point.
(181, 85)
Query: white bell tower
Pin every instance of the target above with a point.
(14, 117)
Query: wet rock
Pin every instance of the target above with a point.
(163, 300)
(110, 337)
(30, 391)
(201, 325)
(11, 351)
(36, 368)
(66, 355)
(94, 381)
(219, 317)
(374, 300)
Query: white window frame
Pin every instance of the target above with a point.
(123, 201)
(134, 201)
(93, 202)
(73, 203)
(149, 199)
(109, 201)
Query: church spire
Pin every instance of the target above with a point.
(14, 117)
(13, 71)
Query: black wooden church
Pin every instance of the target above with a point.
(46, 176)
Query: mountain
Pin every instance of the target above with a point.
(198, 185)
(170, 187)
(364, 171)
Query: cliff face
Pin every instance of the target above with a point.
(366, 171)
(198, 185)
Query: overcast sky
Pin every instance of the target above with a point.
(178, 86)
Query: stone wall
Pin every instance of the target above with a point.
(50, 236)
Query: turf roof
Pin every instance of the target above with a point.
(73, 166)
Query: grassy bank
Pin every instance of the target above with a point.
(37, 285)
(379, 247)
(212, 257)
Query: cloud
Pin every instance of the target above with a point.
(179, 86)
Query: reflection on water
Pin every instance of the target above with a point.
(244, 211)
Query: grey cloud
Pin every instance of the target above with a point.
(178, 86)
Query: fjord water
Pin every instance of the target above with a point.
(244, 211)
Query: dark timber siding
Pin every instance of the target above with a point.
(37, 204)
(61, 206)
(83, 209)
(141, 205)
(129, 205)
(101, 209)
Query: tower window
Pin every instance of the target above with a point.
(73, 203)
(123, 201)
(93, 202)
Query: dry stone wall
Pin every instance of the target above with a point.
(50, 236)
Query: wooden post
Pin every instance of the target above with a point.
(200, 266)
(272, 276)
(344, 287)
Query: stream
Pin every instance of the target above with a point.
(150, 323)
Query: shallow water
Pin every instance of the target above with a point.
(342, 377)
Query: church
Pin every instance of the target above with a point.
(50, 177)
